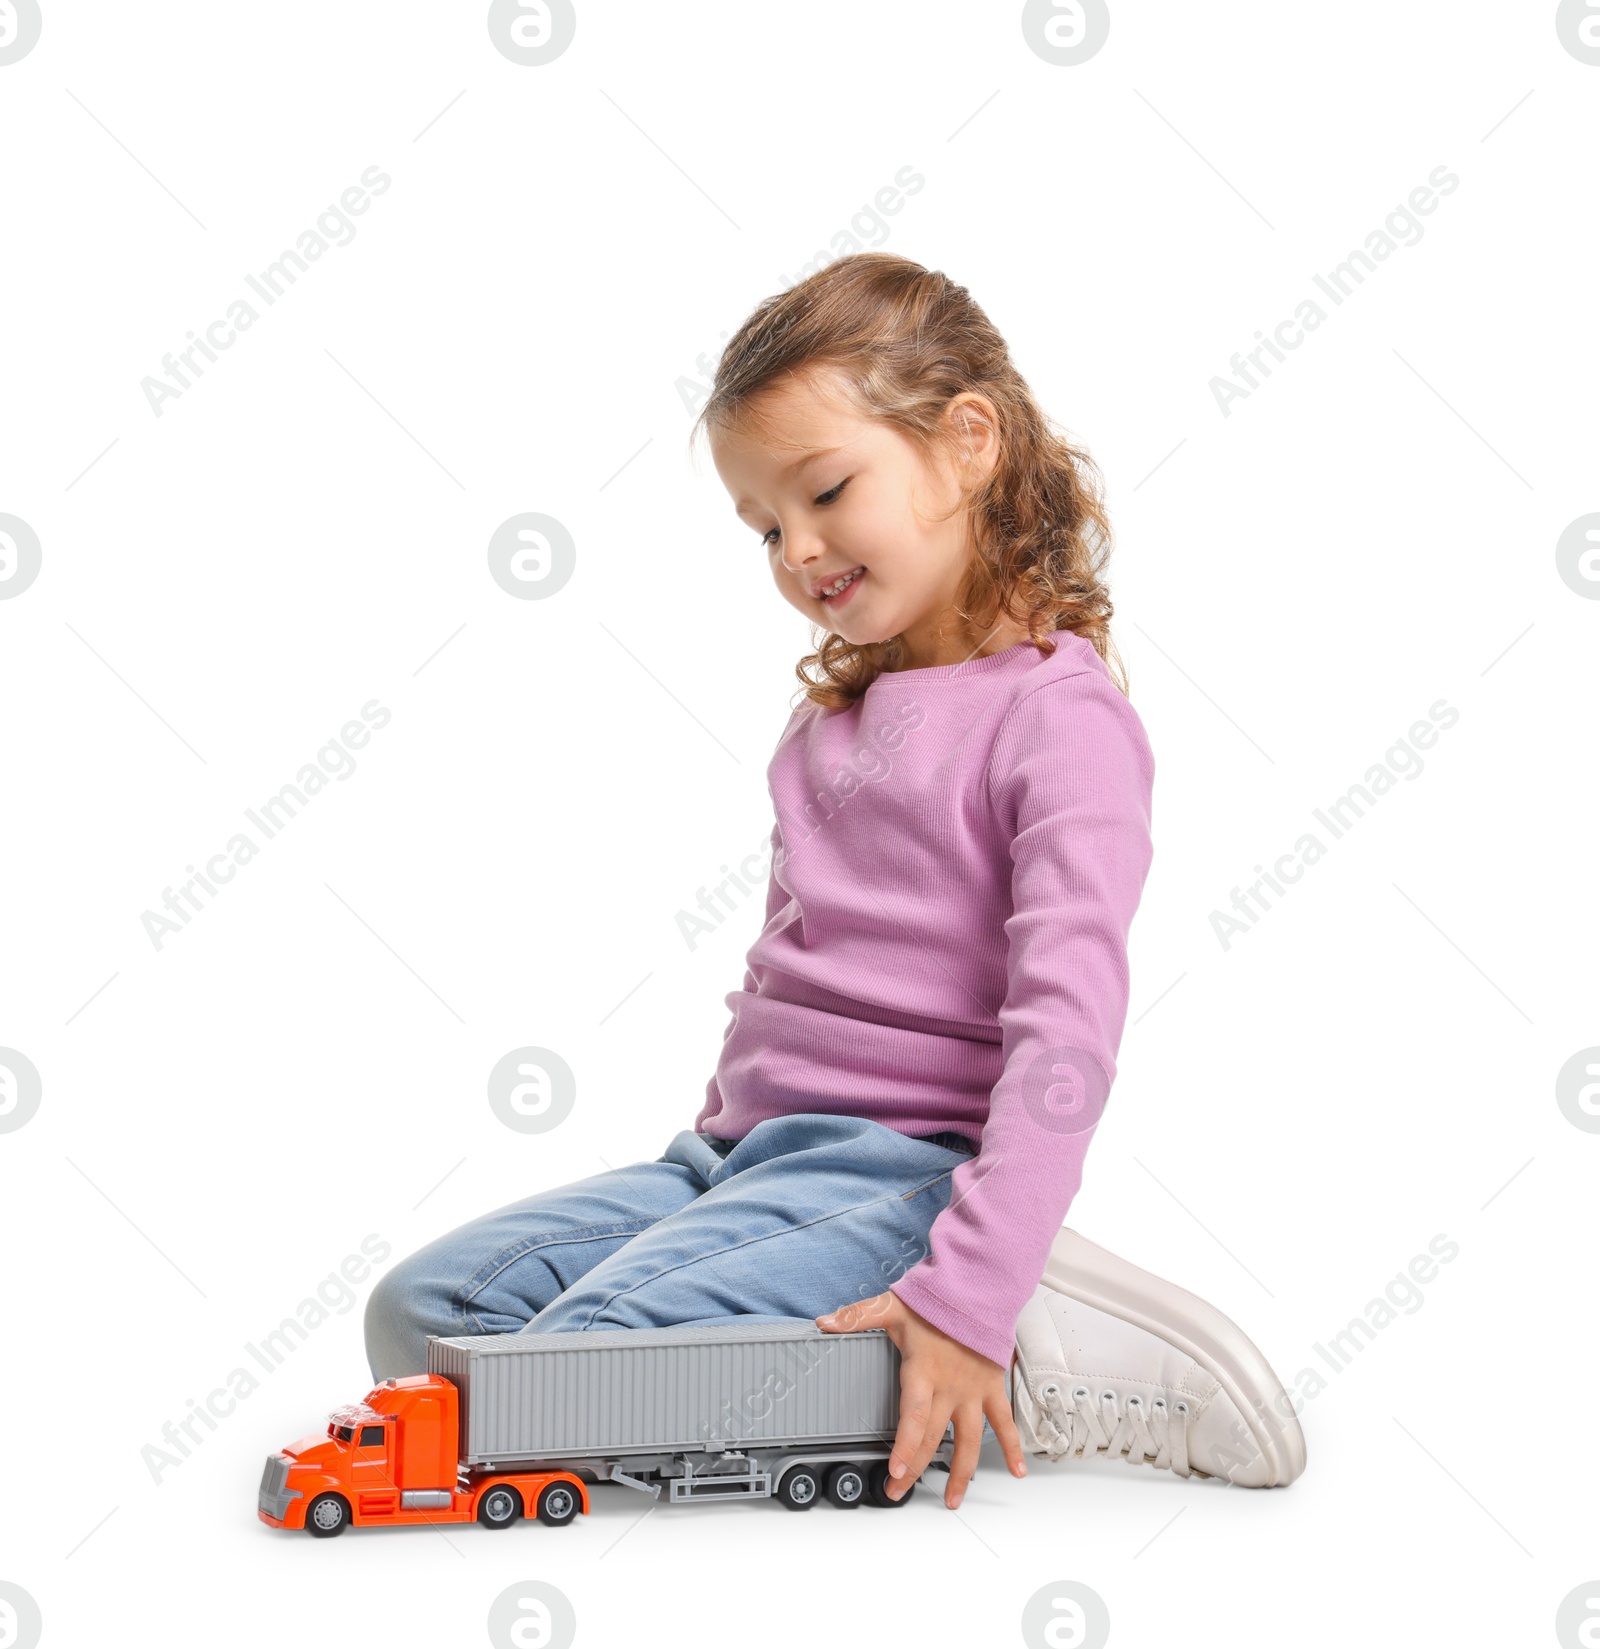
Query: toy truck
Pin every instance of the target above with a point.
(504, 1426)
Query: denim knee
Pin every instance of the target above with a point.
(398, 1320)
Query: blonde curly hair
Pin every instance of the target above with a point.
(902, 341)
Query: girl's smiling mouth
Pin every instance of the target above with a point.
(832, 596)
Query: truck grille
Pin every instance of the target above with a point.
(274, 1497)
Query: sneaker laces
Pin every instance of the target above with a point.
(1137, 1431)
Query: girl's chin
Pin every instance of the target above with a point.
(861, 629)
(861, 635)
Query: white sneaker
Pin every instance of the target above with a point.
(1113, 1361)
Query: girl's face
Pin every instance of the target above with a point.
(843, 498)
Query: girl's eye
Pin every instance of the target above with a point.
(822, 500)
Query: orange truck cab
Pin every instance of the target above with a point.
(395, 1458)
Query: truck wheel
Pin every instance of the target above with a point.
(328, 1515)
(558, 1504)
(797, 1488)
(500, 1507)
(847, 1485)
(878, 1481)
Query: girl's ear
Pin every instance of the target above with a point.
(974, 422)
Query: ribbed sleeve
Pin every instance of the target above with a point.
(1070, 779)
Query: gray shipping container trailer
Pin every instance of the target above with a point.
(725, 1407)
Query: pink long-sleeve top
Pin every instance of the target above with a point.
(957, 858)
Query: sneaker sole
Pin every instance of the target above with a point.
(1084, 1271)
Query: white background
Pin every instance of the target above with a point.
(224, 586)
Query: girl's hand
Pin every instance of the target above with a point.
(940, 1380)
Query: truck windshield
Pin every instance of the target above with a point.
(342, 1434)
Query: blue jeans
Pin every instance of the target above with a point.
(806, 1213)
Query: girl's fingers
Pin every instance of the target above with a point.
(938, 1415)
(859, 1314)
(964, 1459)
(916, 1409)
(1005, 1429)
(932, 1437)
(874, 1312)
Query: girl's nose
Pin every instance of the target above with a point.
(796, 557)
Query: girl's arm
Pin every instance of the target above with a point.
(1071, 779)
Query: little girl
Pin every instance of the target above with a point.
(929, 1021)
